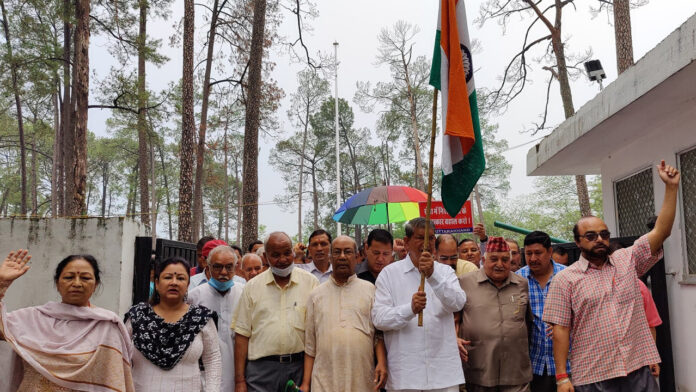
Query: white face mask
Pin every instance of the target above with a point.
(283, 272)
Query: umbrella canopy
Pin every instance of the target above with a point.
(381, 205)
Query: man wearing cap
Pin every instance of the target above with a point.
(204, 276)
(419, 358)
(270, 321)
(221, 295)
(496, 319)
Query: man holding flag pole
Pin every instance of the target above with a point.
(420, 355)
(452, 72)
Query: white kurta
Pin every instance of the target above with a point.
(420, 358)
(224, 306)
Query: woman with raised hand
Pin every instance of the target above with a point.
(69, 345)
(170, 336)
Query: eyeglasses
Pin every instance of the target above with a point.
(220, 267)
(444, 258)
(591, 235)
(338, 252)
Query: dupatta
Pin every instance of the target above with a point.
(75, 347)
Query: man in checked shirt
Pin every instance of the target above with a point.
(596, 302)
(539, 272)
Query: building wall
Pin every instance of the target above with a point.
(111, 241)
(635, 156)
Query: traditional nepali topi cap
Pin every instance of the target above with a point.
(497, 244)
(210, 245)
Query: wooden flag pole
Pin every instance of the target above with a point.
(426, 243)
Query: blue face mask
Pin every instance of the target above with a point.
(221, 286)
(152, 289)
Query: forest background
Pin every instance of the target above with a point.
(133, 106)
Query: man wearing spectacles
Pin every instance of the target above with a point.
(340, 339)
(446, 252)
(596, 302)
(222, 296)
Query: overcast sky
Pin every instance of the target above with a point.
(355, 25)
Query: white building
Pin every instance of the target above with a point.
(647, 114)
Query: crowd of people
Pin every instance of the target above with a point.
(336, 315)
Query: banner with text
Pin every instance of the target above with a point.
(444, 223)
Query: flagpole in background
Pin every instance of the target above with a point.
(338, 161)
(426, 244)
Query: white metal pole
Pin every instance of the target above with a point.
(338, 162)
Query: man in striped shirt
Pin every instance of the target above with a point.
(597, 302)
(539, 271)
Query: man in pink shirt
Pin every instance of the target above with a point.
(596, 302)
(653, 318)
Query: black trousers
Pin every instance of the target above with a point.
(545, 383)
(267, 376)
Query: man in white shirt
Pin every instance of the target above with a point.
(221, 294)
(419, 358)
(319, 248)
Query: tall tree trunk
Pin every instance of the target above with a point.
(567, 99)
(166, 193)
(18, 106)
(143, 150)
(315, 197)
(227, 187)
(238, 186)
(105, 184)
(251, 126)
(301, 174)
(134, 190)
(622, 32)
(155, 202)
(82, 99)
(188, 129)
(66, 113)
(200, 152)
(420, 179)
(34, 178)
(57, 166)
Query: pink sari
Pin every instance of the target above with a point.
(79, 348)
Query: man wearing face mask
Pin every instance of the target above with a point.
(221, 295)
(270, 321)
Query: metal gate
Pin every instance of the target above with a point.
(143, 256)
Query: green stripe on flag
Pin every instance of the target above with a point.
(457, 186)
(437, 58)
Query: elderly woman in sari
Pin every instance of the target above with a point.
(69, 345)
(170, 336)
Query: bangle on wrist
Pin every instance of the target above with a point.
(561, 376)
(563, 381)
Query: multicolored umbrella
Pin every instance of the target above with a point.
(381, 205)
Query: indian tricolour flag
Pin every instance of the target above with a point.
(453, 74)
